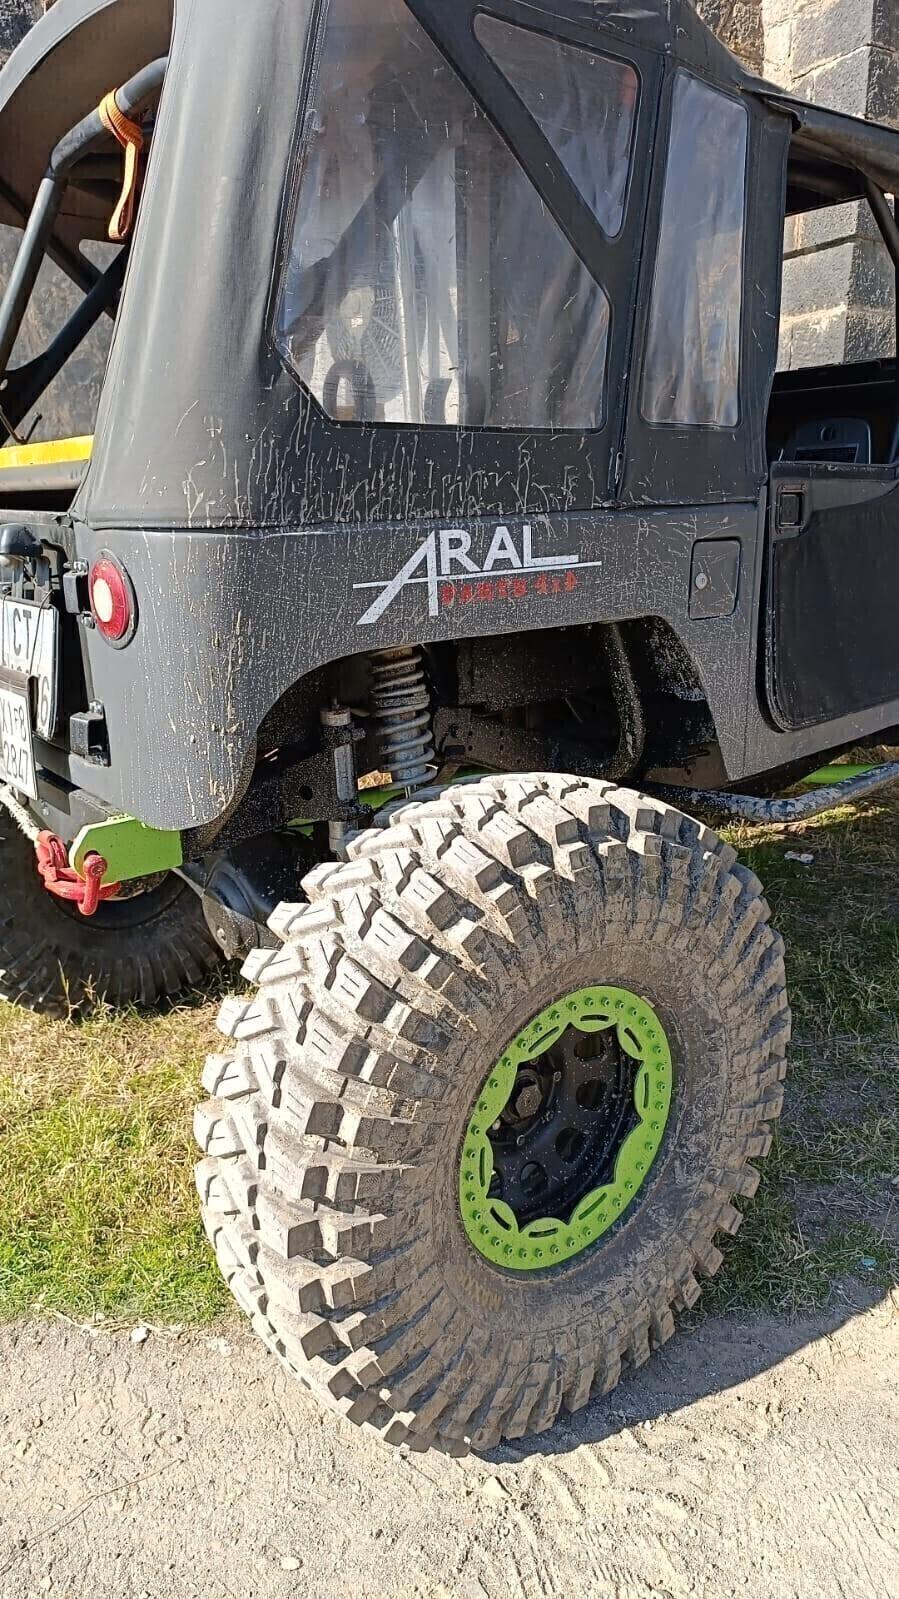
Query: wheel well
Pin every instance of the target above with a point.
(610, 700)
(625, 695)
(578, 685)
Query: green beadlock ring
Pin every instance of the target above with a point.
(490, 1225)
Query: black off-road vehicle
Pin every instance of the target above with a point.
(443, 518)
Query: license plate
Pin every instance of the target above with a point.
(29, 639)
(16, 743)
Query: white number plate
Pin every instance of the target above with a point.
(16, 745)
(29, 637)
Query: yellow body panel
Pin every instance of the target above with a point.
(55, 453)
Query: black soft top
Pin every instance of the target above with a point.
(201, 424)
(82, 48)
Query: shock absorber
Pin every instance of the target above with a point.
(401, 712)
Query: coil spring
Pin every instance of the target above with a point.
(401, 711)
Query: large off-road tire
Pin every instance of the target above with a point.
(336, 1182)
(137, 951)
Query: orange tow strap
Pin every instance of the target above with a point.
(131, 138)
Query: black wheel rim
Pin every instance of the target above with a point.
(566, 1119)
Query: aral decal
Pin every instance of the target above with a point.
(453, 569)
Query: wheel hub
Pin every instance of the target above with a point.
(565, 1129)
(551, 1144)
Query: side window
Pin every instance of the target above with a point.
(584, 103)
(691, 376)
(425, 281)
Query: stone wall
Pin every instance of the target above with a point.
(16, 17)
(740, 23)
(839, 284)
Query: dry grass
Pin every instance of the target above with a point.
(98, 1212)
(828, 1206)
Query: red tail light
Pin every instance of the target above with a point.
(112, 600)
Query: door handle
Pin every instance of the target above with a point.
(789, 515)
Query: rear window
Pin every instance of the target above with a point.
(584, 103)
(426, 282)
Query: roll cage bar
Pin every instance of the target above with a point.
(22, 388)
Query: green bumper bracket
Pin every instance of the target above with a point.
(129, 848)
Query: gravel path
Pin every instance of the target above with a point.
(751, 1458)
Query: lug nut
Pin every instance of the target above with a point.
(528, 1101)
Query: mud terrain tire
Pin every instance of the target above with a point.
(332, 1137)
(137, 951)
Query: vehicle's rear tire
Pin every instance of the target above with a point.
(333, 1137)
(139, 951)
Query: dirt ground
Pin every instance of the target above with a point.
(753, 1458)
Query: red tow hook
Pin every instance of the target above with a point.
(61, 879)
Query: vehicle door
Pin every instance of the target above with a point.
(832, 644)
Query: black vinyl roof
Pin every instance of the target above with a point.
(831, 151)
(82, 48)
